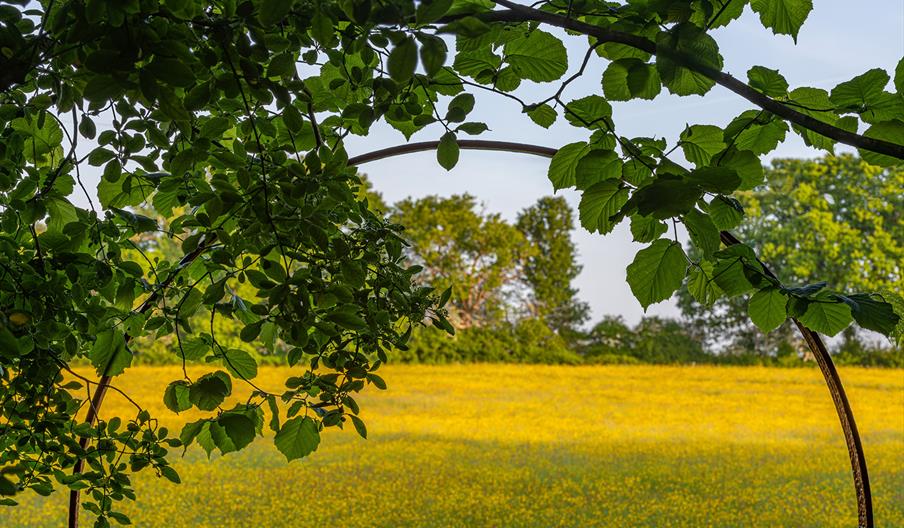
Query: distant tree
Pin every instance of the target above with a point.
(653, 340)
(551, 268)
(836, 219)
(665, 341)
(608, 340)
(479, 254)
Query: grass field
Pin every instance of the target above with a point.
(506, 445)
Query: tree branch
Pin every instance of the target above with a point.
(468, 144)
(721, 78)
(104, 383)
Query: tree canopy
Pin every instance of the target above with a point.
(477, 257)
(228, 118)
(836, 219)
(553, 266)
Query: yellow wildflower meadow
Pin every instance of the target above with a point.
(512, 445)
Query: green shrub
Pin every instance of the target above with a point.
(529, 341)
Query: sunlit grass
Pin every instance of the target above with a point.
(507, 445)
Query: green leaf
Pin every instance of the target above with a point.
(815, 103)
(873, 313)
(377, 381)
(686, 43)
(125, 192)
(886, 106)
(897, 302)
(323, 28)
(431, 10)
(346, 316)
(860, 91)
(274, 413)
(9, 346)
(746, 164)
(282, 64)
(702, 231)
(87, 128)
(359, 425)
(7, 488)
(190, 303)
(273, 11)
(826, 316)
(172, 71)
(892, 131)
(447, 152)
(700, 284)
(470, 7)
(109, 354)
(239, 363)
(588, 111)
(209, 391)
(166, 472)
(657, 272)
(701, 142)
(543, 115)
(176, 396)
(238, 427)
(101, 88)
(250, 331)
(190, 431)
(463, 102)
(472, 128)
(99, 156)
(768, 309)
(784, 17)
(293, 119)
(596, 166)
(725, 212)
(715, 179)
(761, 139)
(60, 212)
(297, 438)
(599, 203)
(433, 53)
(215, 127)
(770, 82)
(627, 79)
(194, 348)
(538, 56)
(646, 228)
(563, 167)
(402, 60)
(475, 63)
(507, 80)
(666, 198)
(205, 436)
(729, 274)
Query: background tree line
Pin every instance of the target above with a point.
(512, 297)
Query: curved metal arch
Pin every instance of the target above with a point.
(814, 342)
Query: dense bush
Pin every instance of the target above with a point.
(856, 352)
(528, 341)
(653, 340)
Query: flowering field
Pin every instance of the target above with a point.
(508, 445)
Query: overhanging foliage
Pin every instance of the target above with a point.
(228, 118)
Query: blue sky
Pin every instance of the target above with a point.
(839, 41)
